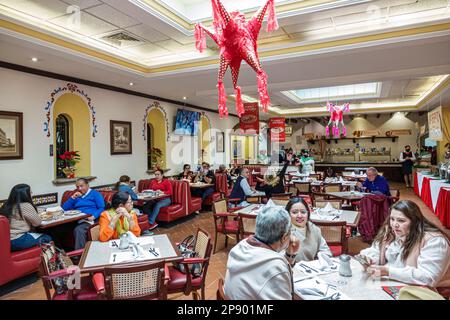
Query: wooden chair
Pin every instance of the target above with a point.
(225, 222)
(303, 187)
(280, 202)
(293, 190)
(335, 234)
(220, 292)
(281, 196)
(251, 199)
(336, 204)
(94, 232)
(331, 187)
(395, 195)
(186, 282)
(143, 281)
(318, 196)
(91, 287)
(247, 224)
(314, 176)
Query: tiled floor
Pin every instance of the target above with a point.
(218, 262)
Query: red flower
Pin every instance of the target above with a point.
(63, 157)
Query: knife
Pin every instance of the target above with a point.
(310, 268)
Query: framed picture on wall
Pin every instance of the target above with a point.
(237, 149)
(120, 137)
(11, 135)
(220, 142)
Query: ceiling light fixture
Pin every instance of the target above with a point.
(34, 59)
(131, 84)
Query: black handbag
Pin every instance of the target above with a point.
(186, 249)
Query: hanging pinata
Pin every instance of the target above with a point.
(237, 39)
(337, 117)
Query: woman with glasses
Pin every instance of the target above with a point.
(186, 174)
(311, 241)
(119, 219)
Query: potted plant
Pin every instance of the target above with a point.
(67, 162)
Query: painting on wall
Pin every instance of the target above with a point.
(11, 135)
(120, 137)
(220, 142)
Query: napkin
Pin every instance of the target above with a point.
(353, 174)
(328, 207)
(340, 179)
(270, 203)
(54, 209)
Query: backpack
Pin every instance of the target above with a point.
(186, 249)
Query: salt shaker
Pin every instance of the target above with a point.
(344, 268)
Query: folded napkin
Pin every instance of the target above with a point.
(328, 208)
(54, 209)
(270, 203)
(353, 174)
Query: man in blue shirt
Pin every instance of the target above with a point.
(375, 183)
(87, 201)
(241, 188)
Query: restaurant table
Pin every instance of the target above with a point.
(96, 254)
(349, 216)
(357, 287)
(146, 197)
(200, 185)
(348, 195)
(63, 219)
(428, 187)
(443, 207)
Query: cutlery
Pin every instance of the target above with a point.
(153, 251)
(310, 268)
(114, 257)
(304, 268)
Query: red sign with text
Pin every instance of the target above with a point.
(277, 129)
(249, 121)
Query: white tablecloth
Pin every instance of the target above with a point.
(420, 177)
(435, 188)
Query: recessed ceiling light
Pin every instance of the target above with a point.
(131, 84)
(34, 59)
(184, 98)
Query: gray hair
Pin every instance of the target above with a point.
(272, 223)
(372, 169)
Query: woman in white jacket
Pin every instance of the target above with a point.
(410, 249)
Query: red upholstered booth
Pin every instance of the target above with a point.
(107, 196)
(180, 200)
(221, 187)
(14, 265)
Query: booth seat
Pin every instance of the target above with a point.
(14, 265)
(220, 189)
(180, 200)
(107, 196)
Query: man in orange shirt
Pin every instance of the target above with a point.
(119, 219)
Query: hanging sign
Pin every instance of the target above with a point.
(277, 129)
(435, 124)
(249, 121)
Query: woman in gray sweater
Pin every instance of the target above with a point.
(311, 241)
(22, 216)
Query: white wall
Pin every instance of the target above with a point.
(22, 92)
(383, 123)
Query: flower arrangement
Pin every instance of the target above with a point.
(67, 162)
(156, 158)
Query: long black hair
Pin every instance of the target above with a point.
(20, 193)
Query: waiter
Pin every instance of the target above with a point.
(407, 159)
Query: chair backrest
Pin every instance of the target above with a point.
(221, 183)
(336, 204)
(314, 176)
(318, 196)
(332, 187)
(334, 233)
(247, 224)
(66, 195)
(280, 202)
(203, 245)
(303, 187)
(94, 232)
(281, 196)
(144, 184)
(5, 240)
(220, 292)
(253, 199)
(374, 211)
(135, 281)
(220, 206)
(293, 190)
(395, 193)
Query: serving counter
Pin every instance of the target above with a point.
(391, 170)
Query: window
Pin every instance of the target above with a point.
(62, 139)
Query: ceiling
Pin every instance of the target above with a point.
(402, 44)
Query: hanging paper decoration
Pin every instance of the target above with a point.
(336, 119)
(237, 40)
(69, 88)
(154, 105)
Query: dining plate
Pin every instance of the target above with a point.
(72, 212)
